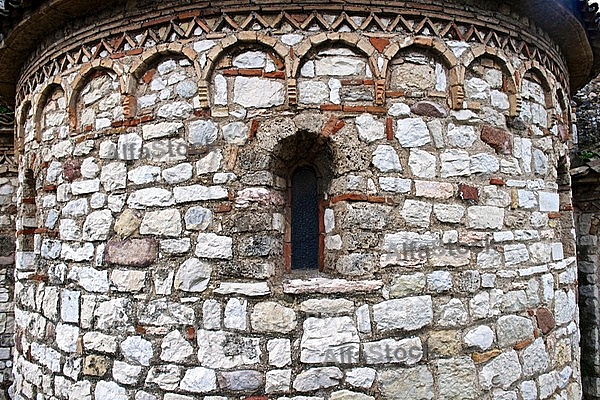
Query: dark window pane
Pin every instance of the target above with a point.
(305, 219)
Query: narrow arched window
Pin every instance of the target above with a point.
(304, 219)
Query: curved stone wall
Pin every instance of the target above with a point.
(155, 236)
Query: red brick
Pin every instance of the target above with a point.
(349, 197)
(38, 278)
(253, 129)
(250, 72)
(554, 215)
(147, 78)
(376, 110)
(389, 128)
(468, 192)
(332, 126)
(380, 200)
(379, 43)
(394, 94)
(497, 181)
(223, 208)
(275, 75)
(330, 107)
(190, 333)
(348, 108)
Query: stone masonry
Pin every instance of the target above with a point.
(154, 223)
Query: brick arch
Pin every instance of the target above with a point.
(479, 51)
(231, 42)
(85, 75)
(352, 41)
(534, 68)
(20, 118)
(150, 57)
(42, 99)
(456, 70)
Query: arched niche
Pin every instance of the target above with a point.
(51, 117)
(166, 86)
(537, 104)
(96, 100)
(25, 130)
(336, 73)
(305, 161)
(418, 72)
(247, 75)
(490, 88)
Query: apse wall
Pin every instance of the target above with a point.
(296, 203)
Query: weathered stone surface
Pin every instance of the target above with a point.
(257, 92)
(369, 129)
(218, 349)
(202, 132)
(385, 159)
(174, 348)
(455, 163)
(324, 338)
(317, 378)
(199, 380)
(193, 276)
(417, 213)
(502, 371)
(348, 395)
(545, 320)
(131, 252)
(279, 352)
(481, 337)
(422, 163)
(272, 317)
(428, 109)
(125, 373)
(457, 379)
(485, 217)
(409, 313)
(512, 329)
(97, 225)
(327, 286)
(246, 289)
(210, 245)
(412, 132)
(245, 380)
(412, 383)
(128, 280)
(150, 197)
(137, 350)
(166, 377)
(164, 312)
(390, 351)
(161, 223)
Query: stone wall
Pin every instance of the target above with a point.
(8, 211)
(586, 223)
(154, 261)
